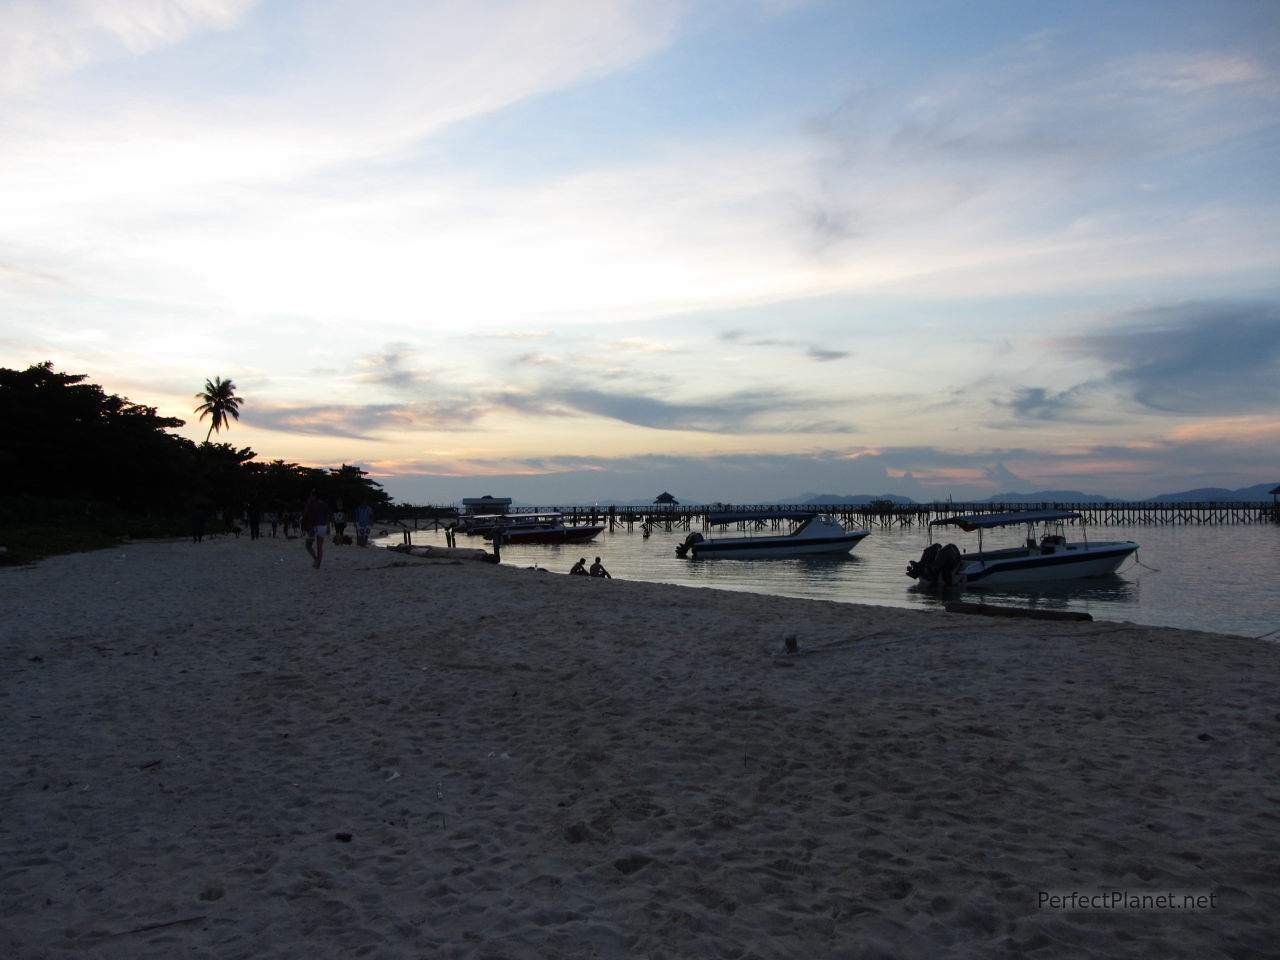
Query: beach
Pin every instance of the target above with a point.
(216, 751)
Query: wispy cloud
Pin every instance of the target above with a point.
(823, 355)
(1037, 403)
(39, 42)
(394, 368)
(374, 422)
(1208, 358)
(1197, 71)
(741, 412)
(809, 350)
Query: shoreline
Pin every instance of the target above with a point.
(217, 748)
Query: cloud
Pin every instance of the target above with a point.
(369, 422)
(812, 351)
(1038, 403)
(747, 411)
(1197, 71)
(735, 413)
(393, 369)
(824, 356)
(301, 96)
(41, 41)
(1207, 358)
(564, 479)
(537, 360)
(1019, 165)
(1235, 453)
(999, 475)
(740, 478)
(639, 345)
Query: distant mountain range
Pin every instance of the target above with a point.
(1258, 492)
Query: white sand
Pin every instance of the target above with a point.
(215, 751)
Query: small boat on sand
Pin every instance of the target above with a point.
(813, 534)
(1050, 556)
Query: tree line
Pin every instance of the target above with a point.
(62, 439)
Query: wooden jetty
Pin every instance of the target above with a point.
(883, 515)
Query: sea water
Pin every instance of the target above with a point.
(1220, 578)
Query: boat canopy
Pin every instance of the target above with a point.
(748, 515)
(983, 521)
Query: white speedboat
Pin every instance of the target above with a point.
(1049, 556)
(813, 534)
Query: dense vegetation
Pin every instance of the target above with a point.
(80, 468)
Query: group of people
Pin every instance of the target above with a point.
(597, 569)
(206, 519)
(317, 518)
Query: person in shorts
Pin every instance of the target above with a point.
(315, 525)
(364, 524)
(339, 520)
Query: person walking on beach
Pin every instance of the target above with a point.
(580, 568)
(364, 524)
(598, 570)
(339, 524)
(315, 524)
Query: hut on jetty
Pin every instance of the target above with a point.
(486, 506)
(665, 499)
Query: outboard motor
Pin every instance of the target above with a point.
(947, 564)
(923, 568)
(683, 549)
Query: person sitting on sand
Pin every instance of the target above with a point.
(598, 570)
(580, 568)
(315, 524)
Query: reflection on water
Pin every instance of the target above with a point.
(1050, 595)
(1067, 595)
(1216, 578)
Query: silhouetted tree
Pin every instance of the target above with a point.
(220, 403)
(223, 475)
(351, 484)
(63, 438)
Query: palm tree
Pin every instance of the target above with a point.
(221, 402)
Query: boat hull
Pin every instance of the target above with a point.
(759, 548)
(1076, 562)
(553, 535)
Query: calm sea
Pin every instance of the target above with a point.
(1224, 579)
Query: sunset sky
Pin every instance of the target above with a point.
(738, 250)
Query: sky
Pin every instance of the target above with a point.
(571, 251)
